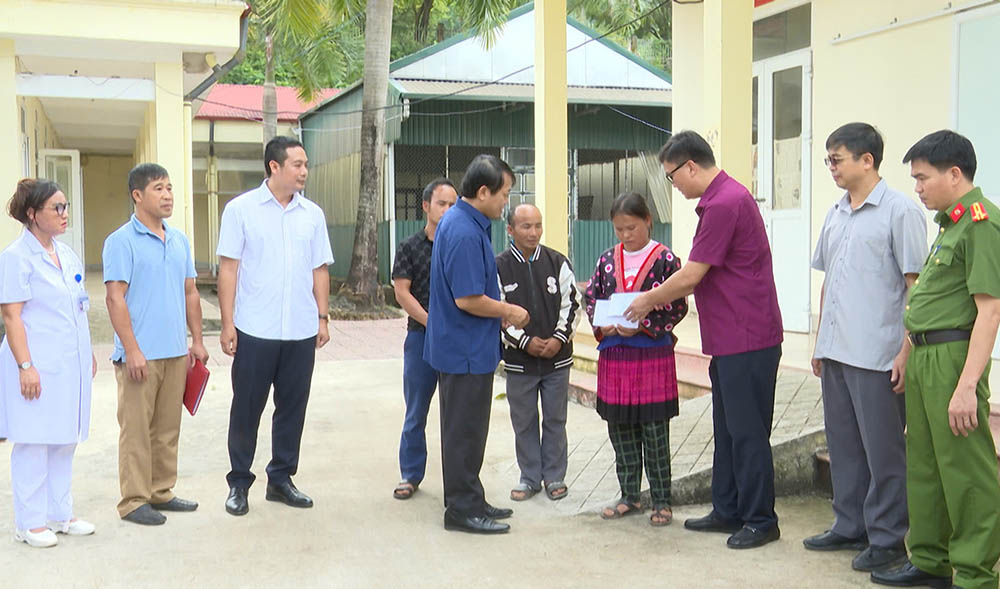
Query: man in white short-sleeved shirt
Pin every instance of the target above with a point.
(274, 289)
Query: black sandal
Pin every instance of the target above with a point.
(404, 490)
(663, 512)
(630, 508)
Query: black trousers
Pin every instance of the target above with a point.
(259, 364)
(465, 422)
(742, 411)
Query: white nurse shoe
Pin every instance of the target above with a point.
(43, 539)
(74, 528)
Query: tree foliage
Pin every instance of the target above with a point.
(646, 36)
(326, 54)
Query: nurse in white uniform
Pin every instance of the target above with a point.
(46, 364)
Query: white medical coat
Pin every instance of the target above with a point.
(55, 320)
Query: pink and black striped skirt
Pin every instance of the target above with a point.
(636, 385)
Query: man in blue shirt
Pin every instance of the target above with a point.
(463, 339)
(149, 276)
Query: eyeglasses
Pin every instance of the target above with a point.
(670, 174)
(833, 161)
(60, 208)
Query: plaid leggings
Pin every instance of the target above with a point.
(638, 443)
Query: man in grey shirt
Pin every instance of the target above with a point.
(872, 245)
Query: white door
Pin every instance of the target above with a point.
(782, 133)
(63, 167)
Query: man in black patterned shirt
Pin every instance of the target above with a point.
(411, 273)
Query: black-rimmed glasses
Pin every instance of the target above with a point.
(670, 174)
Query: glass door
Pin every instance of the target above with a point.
(63, 167)
(781, 136)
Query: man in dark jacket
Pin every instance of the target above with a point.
(538, 357)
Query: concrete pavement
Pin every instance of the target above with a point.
(358, 535)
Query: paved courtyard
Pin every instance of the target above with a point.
(358, 535)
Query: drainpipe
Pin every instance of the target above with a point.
(212, 184)
(218, 71)
(221, 70)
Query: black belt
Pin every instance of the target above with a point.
(939, 336)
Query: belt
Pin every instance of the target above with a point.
(939, 336)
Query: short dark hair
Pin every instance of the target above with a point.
(276, 150)
(430, 188)
(859, 139)
(945, 149)
(140, 177)
(31, 193)
(687, 145)
(485, 170)
(630, 203)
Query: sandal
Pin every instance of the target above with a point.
(661, 516)
(556, 491)
(615, 511)
(523, 492)
(404, 490)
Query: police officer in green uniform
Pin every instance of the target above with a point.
(951, 317)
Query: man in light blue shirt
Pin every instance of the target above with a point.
(871, 248)
(150, 280)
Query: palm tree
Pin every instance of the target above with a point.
(484, 16)
(315, 37)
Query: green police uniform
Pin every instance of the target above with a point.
(952, 488)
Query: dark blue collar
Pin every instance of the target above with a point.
(482, 220)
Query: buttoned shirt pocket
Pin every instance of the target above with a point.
(941, 256)
(873, 250)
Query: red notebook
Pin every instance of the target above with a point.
(197, 378)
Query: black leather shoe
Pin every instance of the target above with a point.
(477, 524)
(498, 512)
(175, 504)
(287, 493)
(877, 558)
(146, 516)
(830, 540)
(712, 523)
(910, 576)
(236, 503)
(749, 537)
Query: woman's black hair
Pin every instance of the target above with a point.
(631, 203)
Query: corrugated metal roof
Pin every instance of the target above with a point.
(243, 101)
(526, 92)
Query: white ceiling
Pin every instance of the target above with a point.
(99, 125)
(96, 126)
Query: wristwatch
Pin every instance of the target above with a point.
(24, 365)
(324, 317)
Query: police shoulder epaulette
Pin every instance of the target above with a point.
(978, 212)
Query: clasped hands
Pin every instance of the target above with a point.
(543, 347)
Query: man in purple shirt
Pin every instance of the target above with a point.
(729, 271)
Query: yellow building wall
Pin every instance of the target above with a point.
(899, 80)
(688, 112)
(106, 203)
(38, 131)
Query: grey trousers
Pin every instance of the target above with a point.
(539, 458)
(864, 432)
